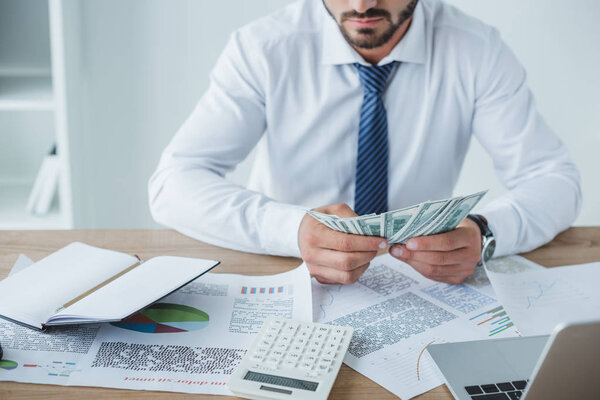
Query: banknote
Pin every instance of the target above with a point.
(427, 218)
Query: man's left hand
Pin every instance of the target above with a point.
(449, 257)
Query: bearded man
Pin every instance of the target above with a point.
(358, 107)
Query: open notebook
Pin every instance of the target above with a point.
(84, 284)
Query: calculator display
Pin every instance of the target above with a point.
(281, 381)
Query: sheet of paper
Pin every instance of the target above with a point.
(189, 341)
(396, 313)
(538, 300)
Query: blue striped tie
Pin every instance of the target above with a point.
(370, 194)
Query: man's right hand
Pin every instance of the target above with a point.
(335, 257)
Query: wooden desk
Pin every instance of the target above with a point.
(574, 246)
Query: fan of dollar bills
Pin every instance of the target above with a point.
(428, 218)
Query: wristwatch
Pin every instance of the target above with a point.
(488, 242)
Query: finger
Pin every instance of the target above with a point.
(460, 256)
(452, 240)
(332, 275)
(342, 210)
(345, 261)
(329, 239)
(445, 273)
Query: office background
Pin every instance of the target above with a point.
(137, 68)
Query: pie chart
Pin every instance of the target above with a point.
(165, 318)
(7, 365)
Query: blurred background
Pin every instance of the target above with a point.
(108, 82)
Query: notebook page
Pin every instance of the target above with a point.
(136, 289)
(33, 294)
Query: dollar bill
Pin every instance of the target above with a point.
(396, 221)
(427, 218)
(460, 210)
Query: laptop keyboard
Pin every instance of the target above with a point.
(497, 391)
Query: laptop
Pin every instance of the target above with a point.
(563, 365)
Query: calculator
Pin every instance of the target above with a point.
(291, 360)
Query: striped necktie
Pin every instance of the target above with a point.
(370, 194)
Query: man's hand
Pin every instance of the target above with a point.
(335, 257)
(448, 257)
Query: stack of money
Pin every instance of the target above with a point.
(428, 218)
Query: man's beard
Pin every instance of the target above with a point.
(369, 39)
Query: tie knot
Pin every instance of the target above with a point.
(374, 78)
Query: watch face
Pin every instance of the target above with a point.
(488, 250)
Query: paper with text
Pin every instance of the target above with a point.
(396, 313)
(538, 300)
(189, 341)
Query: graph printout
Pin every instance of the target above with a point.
(189, 341)
(396, 313)
(538, 300)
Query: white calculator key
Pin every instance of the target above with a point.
(277, 322)
(288, 363)
(272, 361)
(323, 329)
(285, 338)
(306, 365)
(273, 329)
(291, 327)
(300, 341)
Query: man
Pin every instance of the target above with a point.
(370, 106)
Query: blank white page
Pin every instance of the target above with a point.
(136, 289)
(33, 294)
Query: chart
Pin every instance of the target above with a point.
(495, 319)
(165, 318)
(7, 365)
(264, 290)
(55, 368)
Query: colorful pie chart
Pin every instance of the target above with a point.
(165, 318)
(7, 365)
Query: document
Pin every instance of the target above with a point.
(539, 299)
(189, 341)
(396, 313)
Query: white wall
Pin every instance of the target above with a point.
(558, 42)
(144, 64)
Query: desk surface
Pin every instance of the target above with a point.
(574, 246)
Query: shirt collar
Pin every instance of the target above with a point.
(412, 48)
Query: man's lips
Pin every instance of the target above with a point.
(364, 22)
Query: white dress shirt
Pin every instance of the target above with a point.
(286, 84)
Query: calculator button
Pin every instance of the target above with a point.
(323, 367)
(315, 343)
(277, 322)
(334, 338)
(272, 361)
(306, 365)
(300, 341)
(291, 327)
(323, 329)
(328, 354)
(293, 356)
(257, 357)
(273, 329)
(313, 351)
(288, 363)
(280, 346)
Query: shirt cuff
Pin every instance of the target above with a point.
(280, 224)
(504, 221)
